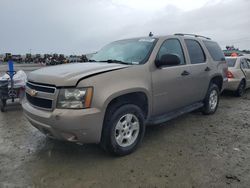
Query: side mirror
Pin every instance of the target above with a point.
(168, 60)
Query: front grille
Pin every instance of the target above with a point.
(41, 95)
(42, 88)
(39, 102)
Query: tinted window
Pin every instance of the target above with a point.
(244, 64)
(195, 51)
(248, 62)
(214, 50)
(172, 46)
(231, 61)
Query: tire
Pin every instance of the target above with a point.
(2, 105)
(241, 89)
(123, 129)
(211, 101)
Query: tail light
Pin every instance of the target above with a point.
(230, 74)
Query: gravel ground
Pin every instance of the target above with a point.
(191, 151)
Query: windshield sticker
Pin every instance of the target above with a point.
(135, 63)
(147, 40)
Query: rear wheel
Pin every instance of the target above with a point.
(241, 89)
(211, 101)
(123, 129)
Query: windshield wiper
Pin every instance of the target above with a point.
(91, 60)
(115, 61)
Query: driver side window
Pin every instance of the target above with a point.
(172, 46)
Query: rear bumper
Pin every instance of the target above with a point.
(233, 84)
(83, 126)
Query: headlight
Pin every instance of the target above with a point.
(75, 98)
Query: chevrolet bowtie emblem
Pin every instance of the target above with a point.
(33, 92)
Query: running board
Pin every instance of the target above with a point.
(174, 114)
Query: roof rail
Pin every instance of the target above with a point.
(183, 34)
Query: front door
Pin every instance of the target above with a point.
(171, 89)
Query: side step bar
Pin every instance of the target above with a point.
(174, 114)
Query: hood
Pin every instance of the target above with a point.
(68, 75)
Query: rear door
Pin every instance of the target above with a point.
(199, 70)
(246, 68)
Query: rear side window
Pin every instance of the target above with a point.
(244, 64)
(195, 51)
(214, 50)
(248, 62)
(231, 62)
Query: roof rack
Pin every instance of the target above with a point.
(183, 34)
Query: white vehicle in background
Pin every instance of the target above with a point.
(238, 74)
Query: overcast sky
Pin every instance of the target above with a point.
(83, 26)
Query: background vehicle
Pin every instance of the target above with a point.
(28, 58)
(1, 58)
(7, 57)
(126, 85)
(17, 58)
(12, 86)
(74, 59)
(238, 74)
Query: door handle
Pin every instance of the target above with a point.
(185, 73)
(207, 69)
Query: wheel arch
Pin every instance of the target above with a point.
(218, 80)
(139, 97)
(244, 80)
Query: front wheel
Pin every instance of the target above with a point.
(211, 101)
(123, 129)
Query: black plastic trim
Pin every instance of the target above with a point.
(171, 115)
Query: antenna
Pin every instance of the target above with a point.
(150, 34)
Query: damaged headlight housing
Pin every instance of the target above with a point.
(75, 98)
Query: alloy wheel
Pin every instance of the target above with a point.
(127, 130)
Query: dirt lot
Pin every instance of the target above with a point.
(190, 151)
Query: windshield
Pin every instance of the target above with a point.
(231, 61)
(131, 51)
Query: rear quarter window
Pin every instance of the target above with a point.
(214, 50)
